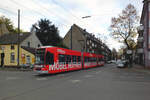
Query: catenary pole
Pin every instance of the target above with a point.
(18, 38)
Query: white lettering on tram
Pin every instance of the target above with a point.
(63, 66)
(57, 66)
(61, 51)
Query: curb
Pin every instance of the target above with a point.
(141, 69)
(15, 69)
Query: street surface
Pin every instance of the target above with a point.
(101, 83)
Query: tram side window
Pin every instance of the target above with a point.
(103, 59)
(79, 58)
(89, 59)
(94, 59)
(74, 59)
(86, 59)
(61, 58)
(68, 59)
(99, 59)
(49, 58)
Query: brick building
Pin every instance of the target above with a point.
(84, 41)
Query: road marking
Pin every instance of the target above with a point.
(61, 75)
(75, 81)
(140, 77)
(12, 78)
(88, 76)
(35, 74)
(98, 72)
(41, 79)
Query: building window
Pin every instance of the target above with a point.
(38, 45)
(28, 59)
(92, 44)
(95, 45)
(12, 57)
(87, 42)
(12, 47)
(28, 44)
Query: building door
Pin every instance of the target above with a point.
(28, 60)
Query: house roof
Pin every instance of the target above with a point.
(29, 49)
(89, 35)
(83, 31)
(12, 38)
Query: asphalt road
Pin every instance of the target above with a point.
(101, 83)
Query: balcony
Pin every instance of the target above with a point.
(140, 39)
(140, 50)
(141, 29)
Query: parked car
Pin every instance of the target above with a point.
(113, 61)
(109, 62)
(125, 62)
(120, 63)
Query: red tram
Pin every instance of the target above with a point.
(54, 60)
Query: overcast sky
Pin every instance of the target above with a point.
(64, 13)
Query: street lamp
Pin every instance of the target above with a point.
(86, 17)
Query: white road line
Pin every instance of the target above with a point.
(12, 78)
(41, 79)
(98, 72)
(75, 81)
(61, 75)
(140, 77)
(88, 76)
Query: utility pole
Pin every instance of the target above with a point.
(18, 37)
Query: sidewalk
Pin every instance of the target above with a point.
(14, 69)
(140, 68)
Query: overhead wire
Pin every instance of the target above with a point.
(13, 13)
(67, 10)
(48, 11)
(34, 11)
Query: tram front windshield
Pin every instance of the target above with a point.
(40, 53)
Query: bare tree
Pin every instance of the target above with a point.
(114, 54)
(124, 27)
